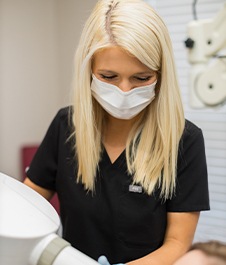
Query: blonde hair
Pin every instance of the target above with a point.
(152, 146)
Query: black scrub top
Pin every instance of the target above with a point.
(119, 219)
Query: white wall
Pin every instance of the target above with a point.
(37, 43)
(71, 17)
(177, 14)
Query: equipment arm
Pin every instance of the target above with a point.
(207, 38)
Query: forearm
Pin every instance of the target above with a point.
(170, 251)
(178, 239)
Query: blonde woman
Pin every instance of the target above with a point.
(129, 170)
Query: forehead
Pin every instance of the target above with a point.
(117, 59)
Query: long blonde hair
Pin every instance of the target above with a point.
(152, 145)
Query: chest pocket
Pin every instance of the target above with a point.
(141, 219)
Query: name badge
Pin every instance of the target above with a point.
(135, 188)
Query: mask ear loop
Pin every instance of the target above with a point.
(91, 76)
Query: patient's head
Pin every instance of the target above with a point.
(208, 253)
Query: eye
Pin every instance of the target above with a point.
(143, 79)
(108, 77)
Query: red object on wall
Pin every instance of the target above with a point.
(27, 154)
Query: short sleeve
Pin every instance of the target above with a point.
(43, 168)
(192, 182)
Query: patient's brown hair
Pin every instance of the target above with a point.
(211, 248)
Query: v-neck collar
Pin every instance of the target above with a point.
(120, 160)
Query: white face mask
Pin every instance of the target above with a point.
(119, 104)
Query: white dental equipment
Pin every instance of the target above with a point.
(206, 39)
(28, 226)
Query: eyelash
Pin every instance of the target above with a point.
(142, 79)
(108, 77)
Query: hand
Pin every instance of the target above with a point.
(103, 261)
